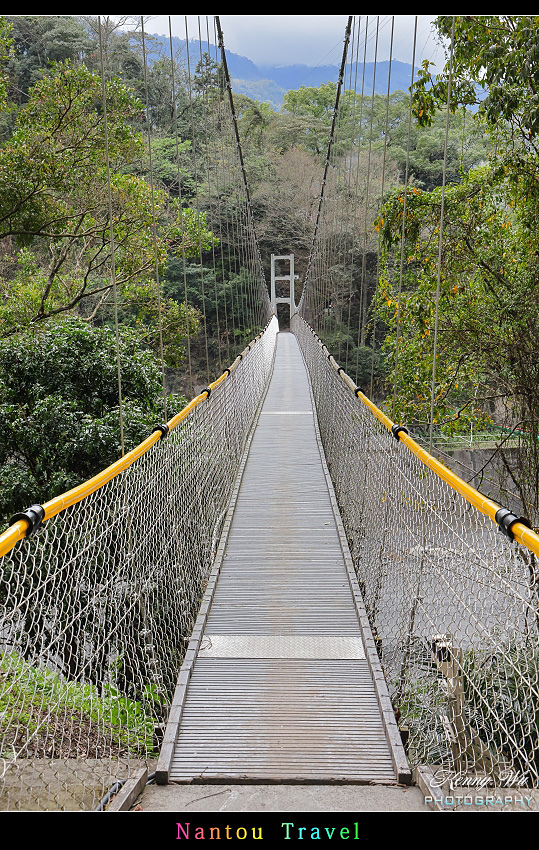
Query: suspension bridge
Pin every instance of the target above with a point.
(279, 584)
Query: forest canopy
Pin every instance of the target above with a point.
(470, 282)
(180, 283)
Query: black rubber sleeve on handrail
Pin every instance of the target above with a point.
(397, 429)
(506, 520)
(34, 515)
(163, 428)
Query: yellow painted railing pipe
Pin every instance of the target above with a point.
(521, 533)
(18, 530)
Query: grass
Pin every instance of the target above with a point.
(42, 715)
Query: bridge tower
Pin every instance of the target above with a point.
(283, 299)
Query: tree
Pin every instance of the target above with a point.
(253, 118)
(170, 163)
(314, 102)
(286, 199)
(111, 45)
(208, 76)
(56, 202)
(6, 45)
(38, 42)
(488, 313)
(60, 413)
(496, 53)
(314, 106)
(60, 409)
(373, 122)
(423, 147)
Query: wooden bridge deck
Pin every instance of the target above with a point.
(281, 681)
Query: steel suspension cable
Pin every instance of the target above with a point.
(361, 285)
(440, 239)
(330, 144)
(112, 242)
(212, 221)
(184, 262)
(259, 301)
(207, 112)
(382, 189)
(221, 188)
(353, 65)
(154, 222)
(194, 158)
(368, 182)
(249, 206)
(404, 213)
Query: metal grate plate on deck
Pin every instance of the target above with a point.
(323, 647)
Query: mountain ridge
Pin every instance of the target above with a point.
(269, 83)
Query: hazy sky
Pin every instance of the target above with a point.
(307, 39)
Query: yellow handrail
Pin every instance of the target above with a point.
(18, 530)
(521, 533)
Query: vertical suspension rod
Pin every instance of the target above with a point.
(330, 142)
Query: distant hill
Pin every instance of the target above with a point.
(268, 83)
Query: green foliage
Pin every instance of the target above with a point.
(487, 304)
(59, 405)
(56, 203)
(6, 45)
(358, 361)
(382, 126)
(221, 295)
(160, 325)
(195, 283)
(40, 702)
(53, 172)
(486, 263)
(166, 154)
(208, 77)
(498, 53)
(314, 106)
(37, 42)
(254, 118)
(314, 102)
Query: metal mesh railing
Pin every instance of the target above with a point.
(453, 603)
(97, 607)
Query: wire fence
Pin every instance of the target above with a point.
(453, 603)
(97, 606)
